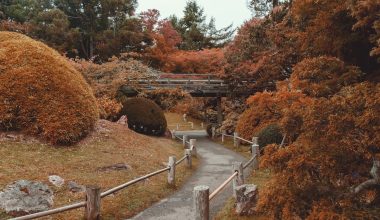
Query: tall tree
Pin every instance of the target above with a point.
(196, 33)
(262, 7)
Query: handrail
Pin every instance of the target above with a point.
(118, 188)
(51, 212)
(221, 187)
(250, 142)
(180, 160)
(249, 162)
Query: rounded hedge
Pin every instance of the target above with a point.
(41, 93)
(270, 135)
(144, 116)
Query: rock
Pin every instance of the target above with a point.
(56, 180)
(24, 197)
(117, 167)
(75, 188)
(123, 120)
(246, 199)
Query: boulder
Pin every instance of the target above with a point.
(75, 188)
(56, 180)
(246, 199)
(115, 167)
(25, 197)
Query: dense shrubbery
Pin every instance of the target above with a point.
(41, 93)
(270, 135)
(326, 106)
(204, 61)
(167, 99)
(109, 108)
(323, 76)
(144, 116)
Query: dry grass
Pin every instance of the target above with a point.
(174, 118)
(244, 150)
(109, 144)
(259, 178)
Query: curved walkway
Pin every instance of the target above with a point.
(215, 166)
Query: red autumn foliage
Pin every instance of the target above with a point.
(324, 172)
(203, 61)
(323, 76)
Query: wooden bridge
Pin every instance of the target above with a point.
(197, 85)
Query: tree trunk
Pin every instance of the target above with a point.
(275, 3)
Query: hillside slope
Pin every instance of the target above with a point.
(111, 143)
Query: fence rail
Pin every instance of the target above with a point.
(171, 180)
(202, 198)
(221, 187)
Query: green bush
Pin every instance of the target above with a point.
(144, 116)
(270, 135)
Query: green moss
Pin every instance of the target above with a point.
(144, 116)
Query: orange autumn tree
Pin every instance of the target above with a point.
(268, 108)
(203, 61)
(323, 76)
(331, 170)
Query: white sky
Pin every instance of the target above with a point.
(225, 12)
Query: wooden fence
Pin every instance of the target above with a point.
(92, 202)
(201, 194)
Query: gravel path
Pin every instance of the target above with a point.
(215, 167)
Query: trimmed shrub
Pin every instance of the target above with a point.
(41, 94)
(270, 135)
(144, 116)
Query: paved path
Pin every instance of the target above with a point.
(215, 166)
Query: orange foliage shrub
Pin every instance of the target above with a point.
(268, 108)
(41, 93)
(324, 173)
(109, 108)
(323, 76)
(204, 61)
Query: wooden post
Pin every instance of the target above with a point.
(201, 203)
(92, 209)
(188, 158)
(177, 126)
(193, 147)
(255, 152)
(171, 174)
(239, 179)
(236, 139)
(213, 130)
(184, 140)
(173, 134)
(223, 133)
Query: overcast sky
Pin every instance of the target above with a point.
(225, 12)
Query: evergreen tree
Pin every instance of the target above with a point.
(196, 33)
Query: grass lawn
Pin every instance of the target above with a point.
(174, 118)
(26, 158)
